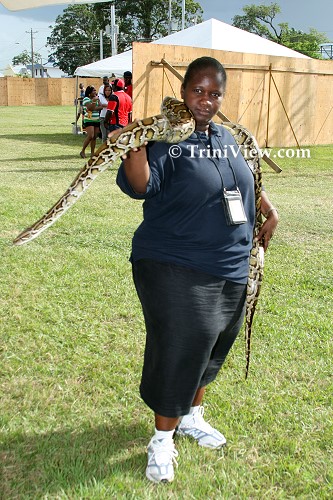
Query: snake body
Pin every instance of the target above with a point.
(250, 150)
(173, 125)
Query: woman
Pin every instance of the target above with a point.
(190, 264)
(91, 109)
(104, 98)
(80, 99)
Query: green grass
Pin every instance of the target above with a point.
(72, 338)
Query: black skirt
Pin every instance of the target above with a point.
(192, 320)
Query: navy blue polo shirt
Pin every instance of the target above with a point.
(184, 220)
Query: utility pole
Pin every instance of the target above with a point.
(183, 14)
(114, 31)
(170, 18)
(101, 44)
(32, 51)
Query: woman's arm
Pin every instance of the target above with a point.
(102, 101)
(137, 169)
(94, 105)
(272, 218)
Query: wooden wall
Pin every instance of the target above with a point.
(277, 98)
(305, 87)
(16, 91)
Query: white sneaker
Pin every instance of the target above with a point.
(161, 457)
(195, 426)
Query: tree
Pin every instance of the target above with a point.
(306, 43)
(75, 38)
(144, 20)
(25, 58)
(260, 19)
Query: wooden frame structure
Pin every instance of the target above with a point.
(283, 101)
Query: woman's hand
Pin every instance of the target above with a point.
(272, 218)
(136, 153)
(136, 166)
(268, 228)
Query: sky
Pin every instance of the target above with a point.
(15, 36)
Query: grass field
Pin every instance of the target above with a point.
(72, 337)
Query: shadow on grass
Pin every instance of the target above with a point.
(45, 138)
(37, 465)
(45, 159)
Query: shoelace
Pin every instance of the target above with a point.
(160, 447)
(199, 421)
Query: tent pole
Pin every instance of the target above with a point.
(269, 101)
(76, 102)
(285, 111)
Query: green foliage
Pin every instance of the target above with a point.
(144, 20)
(306, 43)
(25, 58)
(75, 38)
(255, 16)
(72, 338)
(260, 19)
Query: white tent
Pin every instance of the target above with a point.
(211, 34)
(214, 34)
(115, 64)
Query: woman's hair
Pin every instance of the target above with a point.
(107, 86)
(203, 63)
(89, 90)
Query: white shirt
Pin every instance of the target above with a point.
(103, 102)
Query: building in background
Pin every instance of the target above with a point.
(326, 50)
(47, 70)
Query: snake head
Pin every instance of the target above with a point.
(176, 111)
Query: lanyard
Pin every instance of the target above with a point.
(215, 162)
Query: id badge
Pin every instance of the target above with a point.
(234, 208)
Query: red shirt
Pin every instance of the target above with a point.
(128, 90)
(121, 105)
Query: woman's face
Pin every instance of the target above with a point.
(93, 93)
(203, 95)
(107, 91)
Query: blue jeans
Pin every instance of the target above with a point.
(113, 126)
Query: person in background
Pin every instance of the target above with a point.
(119, 110)
(91, 109)
(80, 100)
(128, 83)
(103, 100)
(105, 82)
(190, 259)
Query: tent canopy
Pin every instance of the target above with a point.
(211, 34)
(214, 34)
(29, 4)
(115, 64)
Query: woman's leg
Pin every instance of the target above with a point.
(93, 141)
(198, 397)
(103, 130)
(90, 131)
(169, 423)
(165, 423)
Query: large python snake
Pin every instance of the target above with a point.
(251, 152)
(173, 125)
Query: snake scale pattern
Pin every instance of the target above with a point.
(173, 125)
(251, 152)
